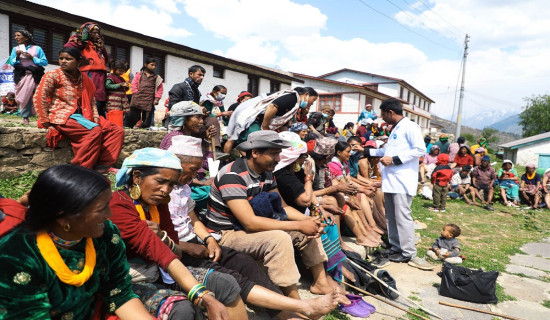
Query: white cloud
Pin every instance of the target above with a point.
(154, 19)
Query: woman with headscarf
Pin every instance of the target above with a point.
(65, 102)
(481, 143)
(140, 211)
(531, 186)
(28, 61)
(300, 129)
(480, 152)
(67, 255)
(88, 39)
(429, 163)
(508, 180)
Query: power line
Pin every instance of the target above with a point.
(440, 17)
(406, 28)
(456, 34)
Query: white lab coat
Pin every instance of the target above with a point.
(406, 142)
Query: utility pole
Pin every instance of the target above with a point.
(459, 114)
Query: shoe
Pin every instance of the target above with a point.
(358, 307)
(489, 207)
(399, 258)
(433, 209)
(385, 253)
(380, 262)
(385, 276)
(420, 263)
(442, 210)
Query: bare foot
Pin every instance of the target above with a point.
(367, 243)
(320, 289)
(344, 246)
(348, 274)
(318, 307)
(377, 229)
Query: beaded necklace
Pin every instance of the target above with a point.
(63, 242)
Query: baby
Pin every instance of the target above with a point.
(446, 247)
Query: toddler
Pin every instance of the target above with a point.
(446, 247)
(441, 176)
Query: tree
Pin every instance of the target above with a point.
(470, 138)
(490, 134)
(535, 118)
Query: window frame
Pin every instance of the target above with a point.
(217, 68)
(250, 86)
(156, 54)
(322, 100)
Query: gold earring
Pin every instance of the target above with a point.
(135, 192)
(67, 227)
(166, 199)
(296, 167)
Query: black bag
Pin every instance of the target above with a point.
(468, 285)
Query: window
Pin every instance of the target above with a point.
(159, 58)
(274, 86)
(218, 72)
(253, 85)
(50, 37)
(414, 99)
(333, 100)
(400, 92)
(118, 50)
(408, 96)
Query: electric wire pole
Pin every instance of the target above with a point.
(459, 113)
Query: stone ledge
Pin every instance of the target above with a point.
(24, 149)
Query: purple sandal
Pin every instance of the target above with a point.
(358, 307)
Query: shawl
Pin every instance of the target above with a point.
(290, 154)
(146, 157)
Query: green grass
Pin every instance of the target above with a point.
(336, 315)
(417, 311)
(414, 298)
(546, 303)
(16, 187)
(12, 120)
(502, 296)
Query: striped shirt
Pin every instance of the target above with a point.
(234, 181)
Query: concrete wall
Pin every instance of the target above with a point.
(530, 154)
(24, 149)
(5, 36)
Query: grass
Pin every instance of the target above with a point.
(546, 303)
(336, 315)
(12, 120)
(417, 311)
(502, 296)
(16, 187)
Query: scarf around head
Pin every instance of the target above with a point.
(146, 157)
(290, 154)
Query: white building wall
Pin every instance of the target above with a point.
(350, 103)
(5, 36)
(136, 59)
(264, 85)
(391, 89)
(530, 154)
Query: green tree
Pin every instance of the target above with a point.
(470, 138)
(535, 118)
(490, 134)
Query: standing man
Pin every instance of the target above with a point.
(399, 181)
(368, 113)
(188, 90)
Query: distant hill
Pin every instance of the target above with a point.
(510, 124)
(450, 127)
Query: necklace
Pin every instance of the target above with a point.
(50, 253)
(531, 176)
(152, 210)
(63, 242)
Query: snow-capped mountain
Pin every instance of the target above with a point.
(486, 119)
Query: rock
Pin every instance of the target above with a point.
(525, 289)
(537, 249)
(31, 151)
(34, 140)
(530, 261)
(14, 141)
(530, 272)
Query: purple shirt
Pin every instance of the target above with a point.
(483, 176)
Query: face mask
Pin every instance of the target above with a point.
(220, 97)
(303, 104)
(353, 152)
(325, 115)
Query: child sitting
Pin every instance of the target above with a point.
(446, 247)
(441, 176)
(9, 103)
(461, 184)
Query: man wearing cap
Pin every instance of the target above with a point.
(399, 182)
(443, 143)
(266, 239)
(368, 113)
(483, 178)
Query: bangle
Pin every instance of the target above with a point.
(195, 292)
(309, 177)
(206, 239)
(165, 234)
(208, 292)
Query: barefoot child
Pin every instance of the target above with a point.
(446, 247)
(461, 183)
(116, 88)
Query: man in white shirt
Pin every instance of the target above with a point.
(399, 181)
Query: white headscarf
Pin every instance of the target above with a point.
(291, 154)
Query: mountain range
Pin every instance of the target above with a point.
(504, 121)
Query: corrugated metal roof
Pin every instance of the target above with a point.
(529, 140)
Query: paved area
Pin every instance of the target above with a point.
(527, 279)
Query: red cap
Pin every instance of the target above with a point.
(370, 143)
(244, 94)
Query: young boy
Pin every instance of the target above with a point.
(441, 176)
(446, 247)
(9, 103)
(461, 183)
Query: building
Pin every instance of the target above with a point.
(346, 99)
(416, 105)
(51, 29)
(535, 149)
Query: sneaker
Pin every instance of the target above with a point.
(421, 264)
(442, 210)
(433, 209)
(380, 262)
(398, 258)
(385, 276)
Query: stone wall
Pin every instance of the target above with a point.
(24, 149)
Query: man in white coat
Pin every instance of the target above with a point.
(399, 181)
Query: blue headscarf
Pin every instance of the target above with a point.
(146, 157)
(297, 127)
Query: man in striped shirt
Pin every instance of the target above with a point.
(266, 239)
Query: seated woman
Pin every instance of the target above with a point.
(65, 103)
(152, 243)
(545, 187)
(187, 119)
(508, 180)
(67, 255)
(429, 163)
(531, 186)
(339, 173)
(300, 129)
(462, 158)
(478, 155)
(203, 250)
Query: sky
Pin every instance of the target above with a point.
(421, 42)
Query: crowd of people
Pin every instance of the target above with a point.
(216, 216)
